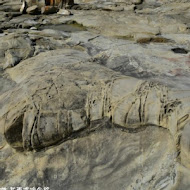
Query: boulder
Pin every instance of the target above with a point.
(33, 10)
(88, 122)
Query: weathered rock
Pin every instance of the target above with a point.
(15, 48)
(32, 10)
(10, 6)
(94, 126)
(64, 12)
(68, 104)
(11, 59)
(185, 144)
(92, 162)
(137, 1)
(154, 61)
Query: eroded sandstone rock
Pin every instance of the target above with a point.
(66, 102)
(63, 101)
(91, 127)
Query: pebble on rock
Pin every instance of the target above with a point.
(64, 12)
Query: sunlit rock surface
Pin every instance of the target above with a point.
(98, 99)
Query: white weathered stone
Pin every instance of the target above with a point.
(64, 12)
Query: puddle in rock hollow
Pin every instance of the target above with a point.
(64, 27)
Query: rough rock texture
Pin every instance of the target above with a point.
(67, 101)
(96, 100)
(68, 105)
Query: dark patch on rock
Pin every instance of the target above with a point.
(14, 134)
(153, 40)
(123, 65)
(73, 27)
(2, 173)
(180, 50)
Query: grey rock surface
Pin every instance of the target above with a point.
(32, 10)
(96, 100)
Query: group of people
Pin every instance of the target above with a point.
(46, 6)
(61, 3)
(40, 3)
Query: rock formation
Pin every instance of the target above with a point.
(97, 100)
(67, 102)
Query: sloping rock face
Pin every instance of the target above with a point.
(76, 115)
(96, 100)
(93, 162)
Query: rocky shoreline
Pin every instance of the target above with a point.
(52, 65)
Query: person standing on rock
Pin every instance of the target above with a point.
(60, 3)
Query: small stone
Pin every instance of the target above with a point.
(32, 10)
(136, 2)
(33, 28)
(64, 12)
